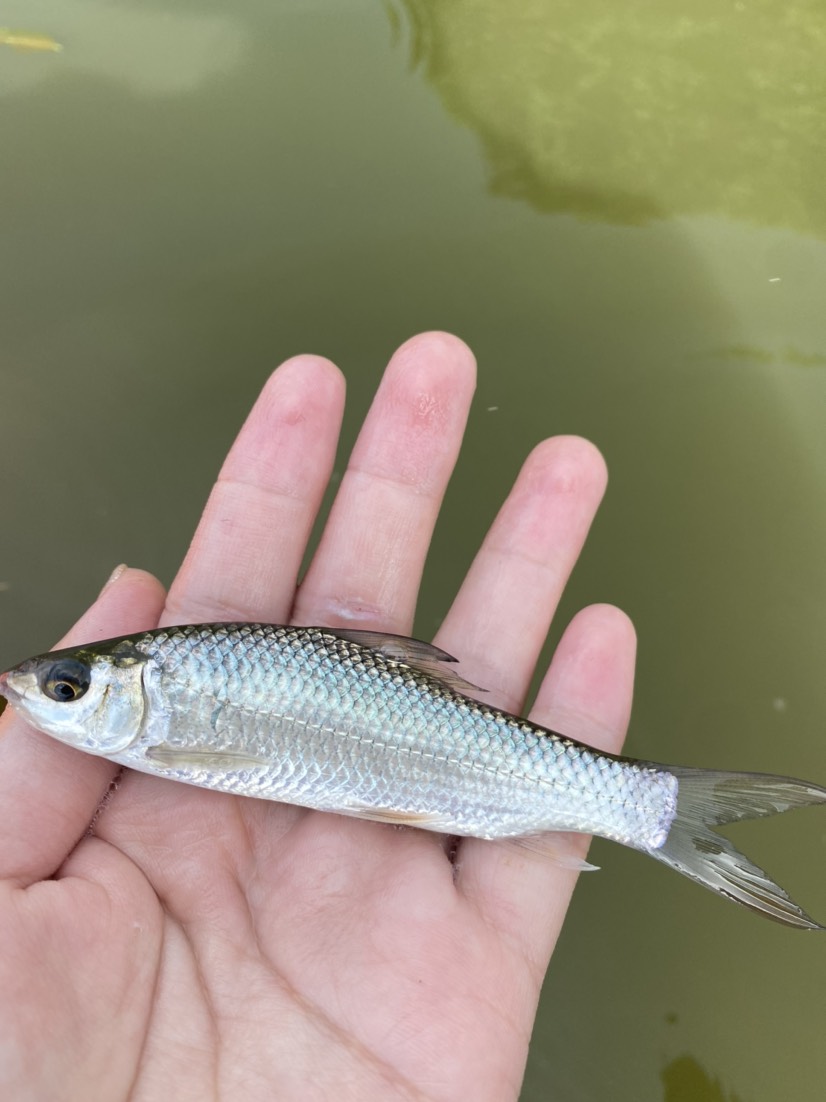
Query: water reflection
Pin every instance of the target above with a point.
(619, 111)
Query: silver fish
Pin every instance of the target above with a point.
(379, 726)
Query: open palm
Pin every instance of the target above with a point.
(194, 945)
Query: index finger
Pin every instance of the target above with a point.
(244, 559)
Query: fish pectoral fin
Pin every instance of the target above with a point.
(221, 761)
(425, 820)
(415, 653)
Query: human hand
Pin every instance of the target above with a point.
(199, 945)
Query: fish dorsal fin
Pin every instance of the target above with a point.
(424, 657)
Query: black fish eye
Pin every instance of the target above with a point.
(66, 680)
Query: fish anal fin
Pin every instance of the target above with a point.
(554, 848)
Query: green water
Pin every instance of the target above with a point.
(621, 208)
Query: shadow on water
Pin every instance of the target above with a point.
(685, 1081)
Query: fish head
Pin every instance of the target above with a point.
(89, 698)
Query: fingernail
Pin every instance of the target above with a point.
(116, 573)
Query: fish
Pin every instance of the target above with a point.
(29, 40)
(382, 727)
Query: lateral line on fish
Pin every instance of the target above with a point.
(475, 766)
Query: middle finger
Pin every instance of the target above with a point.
(368, 565)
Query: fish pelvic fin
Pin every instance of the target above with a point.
(708, 798)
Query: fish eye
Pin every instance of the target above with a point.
(66, 680)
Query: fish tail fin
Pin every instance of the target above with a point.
(708, 798)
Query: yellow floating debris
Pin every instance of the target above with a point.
(28, 40)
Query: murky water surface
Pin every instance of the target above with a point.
(621, 208)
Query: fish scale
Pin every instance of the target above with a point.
(390, 737)
(381, 727)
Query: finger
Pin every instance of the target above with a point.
(246, 553)
(586, 695)
(48, 791)
(596, 654)
(368, 565)
(499, 620)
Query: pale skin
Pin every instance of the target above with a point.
(200, 946)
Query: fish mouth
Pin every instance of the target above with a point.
(14, 683)
(4, 686)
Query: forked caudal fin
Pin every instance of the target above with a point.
(707, 798)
